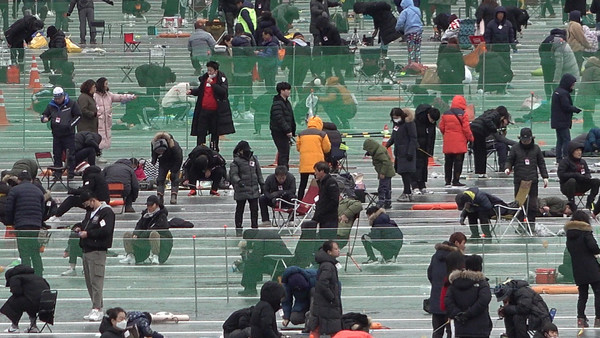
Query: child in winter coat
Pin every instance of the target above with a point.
(246, 178)
(409, 23)
(385, 171)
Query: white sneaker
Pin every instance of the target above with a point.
(53, 219)
(69, 272)
(95, 315)
(87, 317)
(12, 329)
(154, 259)
(424, 191)
(482, 176)
(129, 259)
(416, 192)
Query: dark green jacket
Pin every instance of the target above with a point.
(380, 157)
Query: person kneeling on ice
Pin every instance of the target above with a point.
(523, 309)
(26, 289)
(297, 283)
(151, 238)
(117, 322)
(263, 322)
(385, 236)
(477, 205)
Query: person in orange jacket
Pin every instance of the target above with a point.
(312, 144)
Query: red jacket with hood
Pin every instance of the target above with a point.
(455, 127)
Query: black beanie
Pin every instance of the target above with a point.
(51, 31)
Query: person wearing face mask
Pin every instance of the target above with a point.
(114, 324)
(404, 140)
(165, 148)
(247, 180)
(212, 107)
(525, 159)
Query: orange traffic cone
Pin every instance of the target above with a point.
(386, 138)
(3, 119)
(431, 162)
(9, 232)
(34, 77)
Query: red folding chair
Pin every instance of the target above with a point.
(129, 44)
(301, 209)
(45, 162)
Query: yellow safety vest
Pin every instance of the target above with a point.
(241, 20)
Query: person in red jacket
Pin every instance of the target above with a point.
(457, 132)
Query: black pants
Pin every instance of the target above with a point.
(406, 179)
(572, 187)
(282, 142)
(532, 206)
(437, 321)
(484, 220)
(87, 154)
(64, 144)
(563, 137)
(208, 123)
(265, 203)
(86, 16)
(239, 212)
(453, 164)
(420, 177)
(502, 154)
(163, 170)
(16, 305)
(66, 205)
(29, 250)
(480, 152)
(54, 58)
(583, 297)
(516, 326)
(4, 10)
(302, 186)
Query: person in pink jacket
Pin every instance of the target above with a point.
(457, 132)
(104, 100)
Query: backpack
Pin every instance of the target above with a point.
(346, 184)
(177, 222)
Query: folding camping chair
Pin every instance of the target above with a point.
(115, 193)
(56, 172)
(302, 209)
(521, 227)
(129, 43)
(47, 308)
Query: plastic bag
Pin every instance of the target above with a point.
(38, 41)
(71, 47)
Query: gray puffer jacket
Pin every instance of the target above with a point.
(245, 174)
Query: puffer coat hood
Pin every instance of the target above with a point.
(459, 102)
(272, 293)
(500, 9)
(567, 81)
(315, 122)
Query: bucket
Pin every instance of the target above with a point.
(545, 276)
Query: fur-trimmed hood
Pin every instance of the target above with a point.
(165, 136)
(445, 246)
(578, 225)
(475, 276)
(410, 114)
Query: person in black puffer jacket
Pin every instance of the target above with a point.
(383, 20)
(122, 171)
(525, 158)
(94, 182)
(168, 151)
(19, 33)
(237, 325)
(562, 110)
(583, 250)
(326, 207)
(523, 309)
(385, 236)
(575, 177)
(25, 211)
(26, 288)
(282, 123)
(500, 35)
(326, 310)
(436, 274)
(87, 147)
(468, 300)
(56, 54)
(335, 138)
(202, 164)
(151, 237)
(246, 178)
(489, 123)
(263, 322)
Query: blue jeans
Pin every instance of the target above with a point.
(563, 137)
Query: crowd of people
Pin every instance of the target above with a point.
(81, 131)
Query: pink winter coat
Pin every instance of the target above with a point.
(104, 103)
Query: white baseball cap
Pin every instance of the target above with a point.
(58, 91)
